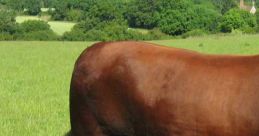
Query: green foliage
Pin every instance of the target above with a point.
(74, 15)
(61, 8)
(104, 11)
(157, 34)
(249, 30)
(17, 5)
(175, 16)
(46, 35)
(194, 33)
(142, 14)
(237, 19)
(224, 5)
(35, 30)
(108, 31)
(257, 16)
(33, 6)
(7, 22)
(204, 18)
(6, 37)
(74, 35)
(92, 31)
(34, 25)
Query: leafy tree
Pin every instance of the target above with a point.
(7, 22)
(33, 6)
(204, 18)
(34, 25)
(142, 13)
(175, 16)
(224, 5)
(74, 15)
(237, 19)
(35, 30)
(48, 3)
(17, 5)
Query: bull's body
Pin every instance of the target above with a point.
(140, 89)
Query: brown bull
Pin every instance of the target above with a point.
(141, 89)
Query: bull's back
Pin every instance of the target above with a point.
(132, 88)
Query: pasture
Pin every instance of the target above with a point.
(35, 78)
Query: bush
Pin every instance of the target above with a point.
(204, 18)
(249, 30)
(237, 19)
(6, 37)
(34, 25)
(87, 25)
(156, 34)
(174, 22)
(39, 36)
(142, 14)
(35, 30)
(33, 6)
(74, 15)
(108, 31)
(194, 33)
(7, 22)
(74, 35)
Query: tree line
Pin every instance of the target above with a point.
(113, 19)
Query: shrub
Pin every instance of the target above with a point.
(74, 15)
(34, 25)
(6, 37)
(174, 22)
(204, 18)
(156, 34)
(35, 30)
(237, 19)
(87, 25)
(74, 35)
(194, 33)
(39, 36)
(107, 31)
(33, 6)
(249, 30)
(142, 14)
(7, 22)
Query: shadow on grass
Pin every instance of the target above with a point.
(68, 133)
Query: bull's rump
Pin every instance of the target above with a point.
(136, 88)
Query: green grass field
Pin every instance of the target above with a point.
(59, 27)
(35, 79)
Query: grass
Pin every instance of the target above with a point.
(20, 19)
(35, 79)
(216, 44)
(59, 27)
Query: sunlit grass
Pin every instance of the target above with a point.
(61, 27)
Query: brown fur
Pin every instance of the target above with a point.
(140, 89)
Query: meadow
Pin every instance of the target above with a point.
(35, 78)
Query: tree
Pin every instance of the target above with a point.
(7, 22)
(17, 5)
(224, 5)
(204, 18)
(33, 6)
(237, 19)
(142, 13)
(175, 16)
